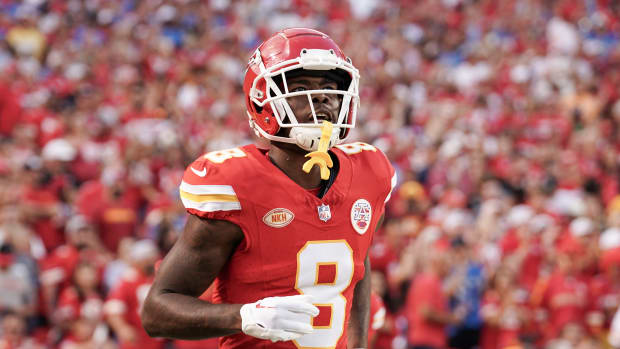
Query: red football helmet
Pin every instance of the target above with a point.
(297, 49)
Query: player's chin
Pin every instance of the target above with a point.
(289, 146)
(284, 132)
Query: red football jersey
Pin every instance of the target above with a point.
(71, 307)
(126, 300)
(295, 242)
(377, 315)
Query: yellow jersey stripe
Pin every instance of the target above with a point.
(210, 197)
(211, 206)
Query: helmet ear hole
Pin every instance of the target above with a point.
(257, 108)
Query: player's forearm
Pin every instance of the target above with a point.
(360, 311)
(174, 315)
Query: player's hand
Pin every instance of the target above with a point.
(279, 318)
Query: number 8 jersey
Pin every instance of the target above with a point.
(294, 242)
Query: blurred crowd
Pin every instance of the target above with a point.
(502, 119)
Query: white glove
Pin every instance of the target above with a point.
(279, 318)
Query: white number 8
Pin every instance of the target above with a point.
(354, 148)
(220, 156)
(309, 259)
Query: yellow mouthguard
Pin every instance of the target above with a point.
(320, 157)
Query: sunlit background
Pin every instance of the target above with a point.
(502, 119)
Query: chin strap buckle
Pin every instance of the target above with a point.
(320, 157)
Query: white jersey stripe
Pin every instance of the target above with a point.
(207, 189)
(211, 206)
(393, 184)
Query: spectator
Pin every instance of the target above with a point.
(464, 286)
(504, 312)
(14, 336)
(27, 248)
(387, 332)
(565, 295)
(81, 300)
(572, 336)
(84, 335)
(377, 318)
(40, 203)
(18, 291)
(115, 270)
(427, 305)
(58, 268)
(122, 307)
(25, 38)
(115, 214)
(10, 110)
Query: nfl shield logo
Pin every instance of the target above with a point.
(324, 213)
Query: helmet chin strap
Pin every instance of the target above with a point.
(308, 138)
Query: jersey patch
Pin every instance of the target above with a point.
(278, 217)
(325, 213)
(361, 214)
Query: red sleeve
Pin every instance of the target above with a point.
(376, 163)
(208, 186)
(213, 186)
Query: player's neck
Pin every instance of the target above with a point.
(291, 161)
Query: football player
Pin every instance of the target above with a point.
(282, 233)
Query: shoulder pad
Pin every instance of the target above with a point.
(356, 148)
(375, 160)
(207, 184)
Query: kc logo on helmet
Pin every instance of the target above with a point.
(361, 214)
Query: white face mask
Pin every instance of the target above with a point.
(306, 135)
(308, 138)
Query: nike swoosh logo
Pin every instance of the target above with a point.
(199, 173)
